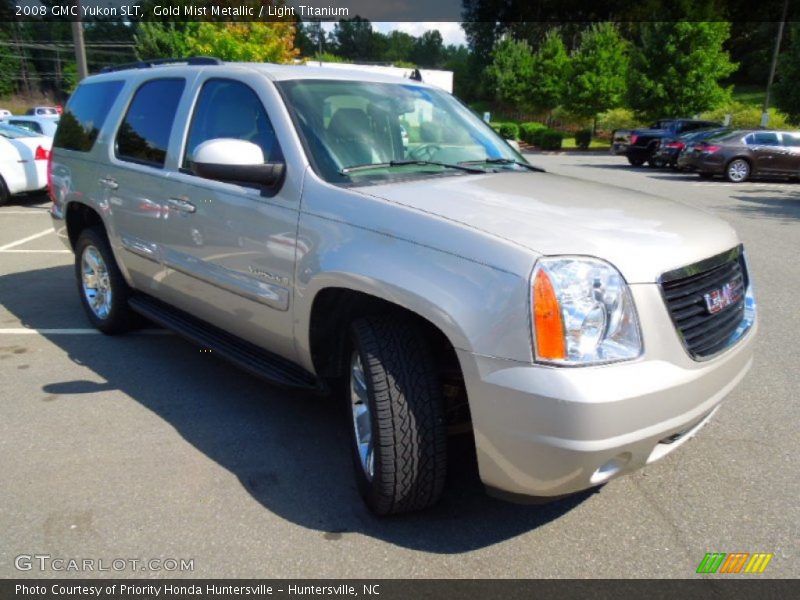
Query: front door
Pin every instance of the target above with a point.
(229, 250)
(766, 150)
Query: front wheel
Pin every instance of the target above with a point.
(399, 439)
(738, 170)
(103, 291)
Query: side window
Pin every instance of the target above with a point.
(791, 139)
(85, 114)
(230, 109)
(144, 133)
(29, 125)
(765, 139)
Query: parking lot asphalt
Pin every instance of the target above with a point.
(143, 447)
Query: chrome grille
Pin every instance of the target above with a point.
(689, 294)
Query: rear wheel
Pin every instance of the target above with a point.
(396, 419)
(738, 170)
(636, 162)
(4, 195)
(103, 291)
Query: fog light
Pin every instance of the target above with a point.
(611, 468)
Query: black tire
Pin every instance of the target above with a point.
(120, 317)
(4, 195)
(636, 162)
(408, 432)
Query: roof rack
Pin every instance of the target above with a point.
(146, 64)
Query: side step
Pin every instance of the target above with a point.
(243, 354)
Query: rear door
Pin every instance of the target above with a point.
(133, 180)
(229, 249)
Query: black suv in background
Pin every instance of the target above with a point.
(640, 145)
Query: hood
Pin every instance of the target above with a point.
(642, 235)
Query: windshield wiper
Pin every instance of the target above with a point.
(502, 161)
(403, 163)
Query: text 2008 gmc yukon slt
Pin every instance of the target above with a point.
(279, 215)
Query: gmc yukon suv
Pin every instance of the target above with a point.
(431, 283)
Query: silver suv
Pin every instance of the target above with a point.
(431, 282)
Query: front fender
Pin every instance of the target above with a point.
(480, 308)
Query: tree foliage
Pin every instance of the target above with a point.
(598, 72)
(787, 90)
(511, 72)
(677, 68)
(550, 70)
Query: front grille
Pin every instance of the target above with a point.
(705, 333)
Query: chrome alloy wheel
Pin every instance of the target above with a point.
(738, 170)
(362, 419)
(96, 282)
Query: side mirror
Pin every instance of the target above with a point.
(514, 144)
(235, 161)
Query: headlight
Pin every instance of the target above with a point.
(583, 313)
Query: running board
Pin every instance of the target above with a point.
(243, 354)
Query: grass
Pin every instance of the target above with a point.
(569, 144)
(749, 94)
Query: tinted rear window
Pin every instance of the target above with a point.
(85, 114)
(144, 134)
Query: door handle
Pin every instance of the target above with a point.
(182, 204)
(109, 182)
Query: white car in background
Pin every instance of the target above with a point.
(43, 111)
(23, 161)
(4, 113)
(44, 125)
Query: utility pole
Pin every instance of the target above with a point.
(80, 49)
(776, 51)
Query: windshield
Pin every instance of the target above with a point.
(390, 131)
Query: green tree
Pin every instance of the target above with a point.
(677, 68)
(248, 41)
(156, 39)
(787, 91)
(399, 46)
(598, 72)
(354, 39)
(550, 70)
(429, 50)
(9, 67)
(511, 72)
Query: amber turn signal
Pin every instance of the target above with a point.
(548, 326)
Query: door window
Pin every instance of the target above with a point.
(230, 109)
(763, 139)
(791, 139)
(143, 136)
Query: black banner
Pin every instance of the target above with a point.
(727, 587)
(488, 11)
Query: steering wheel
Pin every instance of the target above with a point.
(425, 151)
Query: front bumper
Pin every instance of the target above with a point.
(549, 431)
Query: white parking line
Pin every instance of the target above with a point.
(35, 252)
(41, 211)
(86, 331)
(27, 239)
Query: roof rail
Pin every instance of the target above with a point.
(146, 64)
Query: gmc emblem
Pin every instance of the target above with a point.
(717, 300)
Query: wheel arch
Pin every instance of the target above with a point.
(79, 216)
